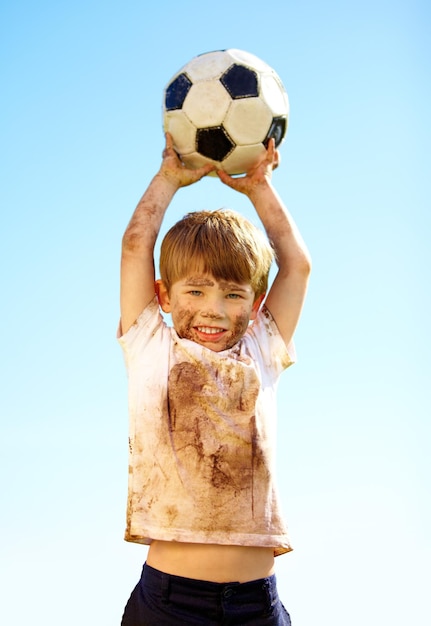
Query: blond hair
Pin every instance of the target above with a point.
(222, 243)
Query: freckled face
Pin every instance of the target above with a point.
(212, 313)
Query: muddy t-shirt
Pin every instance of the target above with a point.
(202, 435)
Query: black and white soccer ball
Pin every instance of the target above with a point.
(223, 107)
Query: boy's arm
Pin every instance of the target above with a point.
(286, 296)
(137, 252)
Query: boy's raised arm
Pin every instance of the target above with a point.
(287, 293)
(137, 252)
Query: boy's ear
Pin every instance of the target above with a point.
(162, 296)
(256, 306)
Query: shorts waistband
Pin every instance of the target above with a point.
(164, 580)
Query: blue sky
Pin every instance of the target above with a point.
(81, 138)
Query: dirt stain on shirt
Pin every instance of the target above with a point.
(213, 428)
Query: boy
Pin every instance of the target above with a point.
(202, 399)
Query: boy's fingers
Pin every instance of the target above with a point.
(230, 181)
(272, 154)
(224, 177)
(204, 170)
(169, 144)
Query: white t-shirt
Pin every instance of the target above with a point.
(202, 435)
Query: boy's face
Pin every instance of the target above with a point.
(213, 313)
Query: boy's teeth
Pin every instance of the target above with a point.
(208, 330)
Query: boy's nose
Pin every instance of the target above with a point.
(214, 310)
(212, 314)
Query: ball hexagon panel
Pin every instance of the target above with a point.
(273, 93)
(248, 121)
(182, 130)
(248, 59)
(206, 103)
(208, 66)
(243, 158)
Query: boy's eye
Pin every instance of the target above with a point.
(195, 292)
(233, 296)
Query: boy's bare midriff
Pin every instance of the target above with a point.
(216, 563)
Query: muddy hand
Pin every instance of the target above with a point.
(260, 173)
(174, 169)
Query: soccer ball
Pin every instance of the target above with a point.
(223, 107)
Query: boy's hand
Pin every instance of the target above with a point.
(259, 175)
(174, 170)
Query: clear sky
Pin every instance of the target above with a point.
(80, 109)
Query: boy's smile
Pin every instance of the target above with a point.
(212, 313)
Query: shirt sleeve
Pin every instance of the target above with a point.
(136, 339)
(274, 354)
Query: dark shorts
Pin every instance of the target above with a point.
(164, 600)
